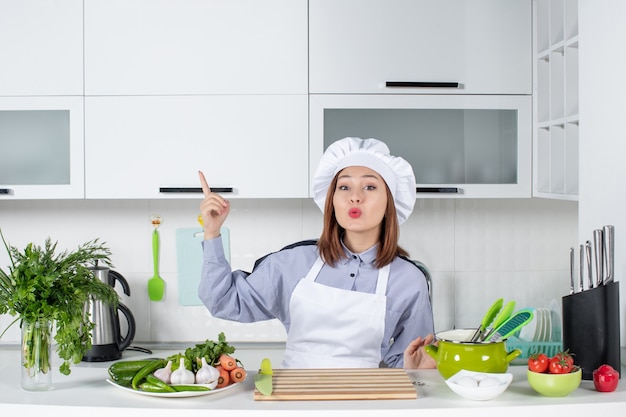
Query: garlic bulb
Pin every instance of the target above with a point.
(164, 374)
(182, 375)
(207, 374)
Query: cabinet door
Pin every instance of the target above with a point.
(41, 47)
(459, 146)
(137, 146)
(357, 46)
(41, 143)
(195, 47)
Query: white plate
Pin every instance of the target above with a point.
(173, 394)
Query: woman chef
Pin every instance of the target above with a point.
(350, 299)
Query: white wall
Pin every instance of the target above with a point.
(602, 132)
(477, 251)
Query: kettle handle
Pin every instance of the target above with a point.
(126, 341)
(116, 276)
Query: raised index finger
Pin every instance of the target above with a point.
(206, 190)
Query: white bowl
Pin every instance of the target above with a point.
(479, 386)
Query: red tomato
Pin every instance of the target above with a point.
(566, 357)
(560, 365)
(605, 378)
(538, 362)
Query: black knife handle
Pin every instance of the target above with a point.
(194, 189)
(6, 191)
(422, 84)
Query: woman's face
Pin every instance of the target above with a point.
(360, 199)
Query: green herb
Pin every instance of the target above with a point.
(41, 284)
(210, 350)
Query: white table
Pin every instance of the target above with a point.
(86, 393)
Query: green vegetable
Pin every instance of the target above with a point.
(210, 350)
(147, 370)
(148, 387)
(151, 379)
(124, 367)
(41, 284)
(123, 380)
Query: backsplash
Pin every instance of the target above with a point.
(476, 249)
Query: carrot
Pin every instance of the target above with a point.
(227, 362)
(238, 374)
(224, 378)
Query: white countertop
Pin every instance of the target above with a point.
(86, 392)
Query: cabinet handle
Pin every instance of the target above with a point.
(422, 84)
(6, 191)
(194, 189)
(450, 190)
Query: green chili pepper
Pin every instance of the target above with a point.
(151, 379)
(148, 387)
(147, 370)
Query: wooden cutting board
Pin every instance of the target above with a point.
(339, 384)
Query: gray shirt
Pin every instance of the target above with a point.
(264, 293)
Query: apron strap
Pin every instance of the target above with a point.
(383, 277)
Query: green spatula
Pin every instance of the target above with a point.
(156, 284)
(513, 324)
(487, 319)
(502, 316)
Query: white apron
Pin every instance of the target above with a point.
(335, 328)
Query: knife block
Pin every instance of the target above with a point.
(591, 328)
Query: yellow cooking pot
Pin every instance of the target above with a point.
(453, 352)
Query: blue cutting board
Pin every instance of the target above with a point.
(189, 261)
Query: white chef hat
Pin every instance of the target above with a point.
(373, 154)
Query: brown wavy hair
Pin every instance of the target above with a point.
(329, 243)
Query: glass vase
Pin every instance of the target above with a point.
(36, 355)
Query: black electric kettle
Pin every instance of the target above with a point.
(107, 343)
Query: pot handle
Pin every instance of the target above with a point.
(126, 341)
(512, 355)
(433, 350)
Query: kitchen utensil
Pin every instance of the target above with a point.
(589, 265)
(513, 324)
(263, 379)
(189, 258)
(581, 268)
(598, 245)
(608, 233)
(554, 385)
(502, 316)
(156, 284)
(487, 319)
(107, 343)
(453, 353)
(571, 270)
(591, 327)
(340, 384)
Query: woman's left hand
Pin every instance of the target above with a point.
(415, 356)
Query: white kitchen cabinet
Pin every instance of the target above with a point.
(143, 146)
(147, 47)
(41, 47)
(556, 136)
(41, 143)
(472, 146)
(357, 46)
